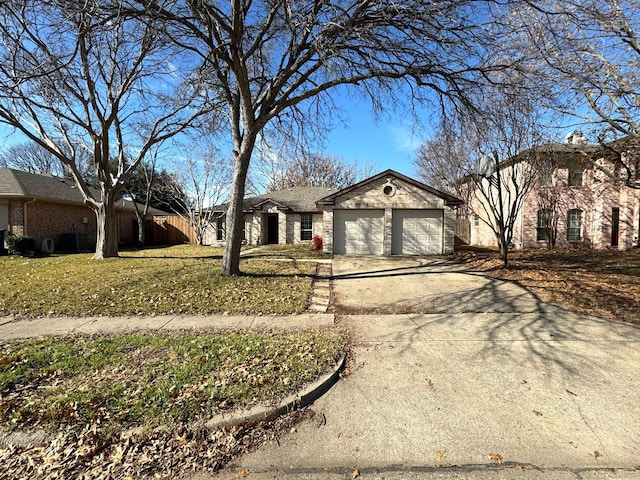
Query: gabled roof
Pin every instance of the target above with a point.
(17, 184)
(297, 199)
(448, 199)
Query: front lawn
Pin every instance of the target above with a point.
(135, 404)
(179, 279)
(602, 283)
(287, 251)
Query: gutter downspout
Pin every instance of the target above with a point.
(25, 216)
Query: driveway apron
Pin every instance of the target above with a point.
(471, 373)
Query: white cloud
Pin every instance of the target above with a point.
(405, 137)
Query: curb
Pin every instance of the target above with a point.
(298, 400)
(242, 417)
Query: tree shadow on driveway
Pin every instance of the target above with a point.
(447, 302)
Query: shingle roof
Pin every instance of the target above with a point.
(297, 199)
(16, 183)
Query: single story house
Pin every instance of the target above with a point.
(387, 214)
(282, 216)
(48, 207)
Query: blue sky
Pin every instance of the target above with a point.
(388, 140)
(386, 143)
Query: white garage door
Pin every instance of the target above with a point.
(358, 232)
(417, 232)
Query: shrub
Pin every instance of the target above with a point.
(21, 245)
(316, 242)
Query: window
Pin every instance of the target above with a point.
(575, 174)
(306, 227)
(544, 223)
(574, 225)
(476, 220)
(220, 228)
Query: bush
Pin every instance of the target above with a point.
(317, 242)
(21, 245)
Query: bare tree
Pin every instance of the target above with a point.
(313, 170)
(31, 157)
(489, 159)
(140, 187)
(585, 54)
(275, 63)
(88, 79)
(202, 182)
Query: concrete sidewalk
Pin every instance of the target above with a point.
(497, 395)
(12, 328)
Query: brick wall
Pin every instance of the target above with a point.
(597, 196)
(42, 220)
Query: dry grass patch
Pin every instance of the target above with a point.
(603, 283)
(179, 279)
(90, 392)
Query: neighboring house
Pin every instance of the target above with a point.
(387, 214)
(47, 207)
(572, 200)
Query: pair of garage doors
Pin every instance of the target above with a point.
(413, 232)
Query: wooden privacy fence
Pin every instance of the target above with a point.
(169, 230)
(462, 231)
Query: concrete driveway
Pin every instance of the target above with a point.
(421, 285)
(495, 385)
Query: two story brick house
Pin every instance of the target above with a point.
(573, 202)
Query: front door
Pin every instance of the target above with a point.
(272, 228)
(615, 226)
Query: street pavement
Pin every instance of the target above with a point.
(520, 390)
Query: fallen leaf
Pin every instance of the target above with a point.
(439, 454)
(355, 473)
(429, 382)
(517, 466)
(242, 474)
(339, 434)
(538, 414)
(597, 454)
(496, 457)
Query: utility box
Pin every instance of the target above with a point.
(73, 243)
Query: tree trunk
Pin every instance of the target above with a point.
(141, 229)
(235, 216)
(107, 237)
(504, 248)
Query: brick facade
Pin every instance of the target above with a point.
(596, 198)
(256, 227)
(42, 219)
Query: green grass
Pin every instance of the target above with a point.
(150, 380)
(290, 251)
(179, 279)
